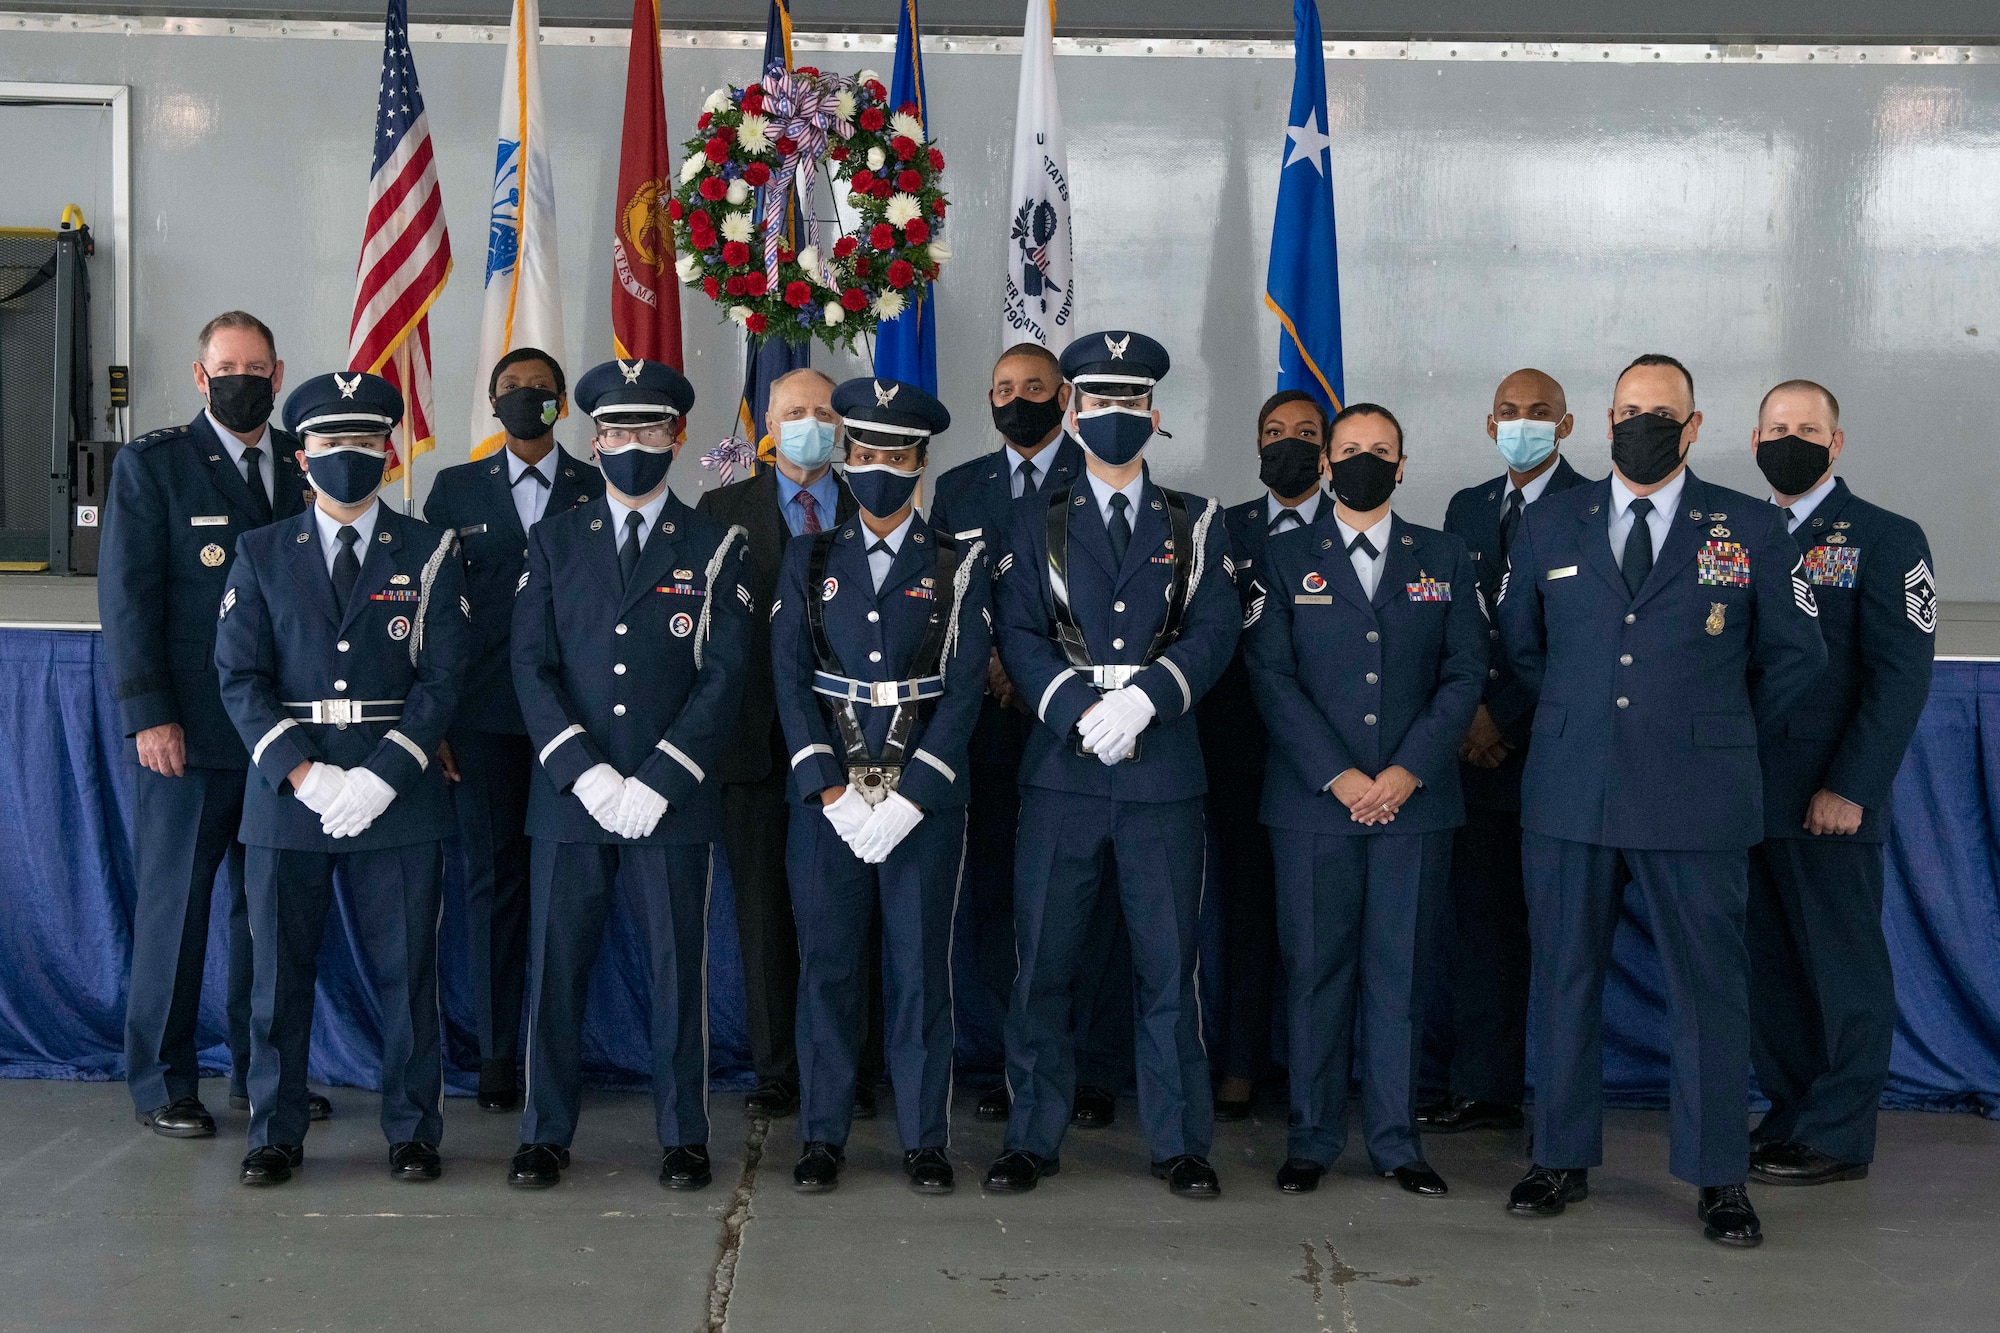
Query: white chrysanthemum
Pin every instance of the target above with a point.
(694, 166)
(939, 253)
(739, 313)
(870, 76)
(876, 157)
(909, 127)
(843, 104)
(735, 226)
(889, 305)
(739, 190)
(809, 260)
(754, 133)
(903, 209)
(834, 314)
(717, 101)
(689, 267)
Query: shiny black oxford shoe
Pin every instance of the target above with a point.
(1299, 1175)
(1189, 1177)
(415, 1161)
(1418, 1178)
(773, 1098)
(1545, 1191)
(929, 1170)
(1728, 1217)
(272, 1164)
(994, 1105)
(685, 1167)
(818, 1171)
(1457, 1115)
(1018, 1171)
(1787, 1163)
(1093, 1108)
(317, 1106)
(537, 1166)
(182, 1118)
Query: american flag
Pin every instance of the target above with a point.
(405, 251)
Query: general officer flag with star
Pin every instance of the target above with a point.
(1302, 287)
(906, 346)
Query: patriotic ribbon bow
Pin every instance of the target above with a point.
(726, 457)
(803, 111)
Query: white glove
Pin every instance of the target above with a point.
(323, 785)
(639, 809)
(888, 826)
(601, 789)
(360, 804)
(849, 814)
(1112, 728)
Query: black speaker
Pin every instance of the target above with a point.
(89, 487)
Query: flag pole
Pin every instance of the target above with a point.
(409, 458)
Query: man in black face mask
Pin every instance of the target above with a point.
(1661, 618)
(492, 503)
(179, 499)
(1824, 999)
(1291, 433)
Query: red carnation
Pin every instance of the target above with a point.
(908, 181)
(937, 160)
(753, 101)
(712, 287)
(853, 298)
(906, 147)
(786, 145)
(735, 254)
(784, 253)
(725, 133)
(876, 90)
(807, 71)
(837, 153)
(699, 220)
(843, 247)
(755, 283)
(907, 109)
(798, 293)
(861, 266)
(756, 323)
(938, 208)
(756, 174)
(872, 119)
(713, 188)
(716, 150)
(863, 182)
(901, 274)
(736, 285)
(916, 231)
(675, 208)
(703, 240)
(880, 190)
(882, 236)
(706, 120)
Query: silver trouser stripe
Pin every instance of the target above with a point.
(938, 764)
(1187, 695)
(674, 753)
(257, 754)
(1042, 705)
(877, 693)
(416, 750)
(561, 736)
(809, 752)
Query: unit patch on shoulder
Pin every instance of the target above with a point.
(1723, 564)
(1833, 566)
(1920, 601)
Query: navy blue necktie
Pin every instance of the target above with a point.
(628, 554)
(1638, 561)
(1120, 528)
(346, 567)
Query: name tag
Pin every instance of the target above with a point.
(1566, 572)
(1314, 599)
(208, 520)
(968, 534)
(472, 531)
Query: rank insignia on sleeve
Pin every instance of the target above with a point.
(1716, 611)
(1802, 592)
(1313, 582)
(1723, 564)
(1833, 566)
(228, 600)
(213, 555)
(1428, 589)
(1920, 600)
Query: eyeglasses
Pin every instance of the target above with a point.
(619, 436)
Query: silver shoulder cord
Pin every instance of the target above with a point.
(960, 581)
(729, 539)
(424, 580)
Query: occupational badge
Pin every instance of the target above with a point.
(399, 580)
(1715, 614)
(213, 555)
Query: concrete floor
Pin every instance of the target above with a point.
(104, 1226)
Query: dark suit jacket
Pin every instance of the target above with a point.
(177, 506)
(1232, 730)
(1474, 518)
(752, 745)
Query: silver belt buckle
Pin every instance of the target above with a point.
(340, 712)
(884, 693)
(875, 781)
(1115, 677)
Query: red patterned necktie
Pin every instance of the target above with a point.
(811, 508)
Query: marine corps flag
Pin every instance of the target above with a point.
(645, 298)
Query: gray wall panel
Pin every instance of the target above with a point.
(1759, 222)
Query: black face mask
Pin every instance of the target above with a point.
(528, 413)
(1646, 448)
(1025, 422)
(1792, 465)
(240, 402)
(1289, 466)
(1363, 481)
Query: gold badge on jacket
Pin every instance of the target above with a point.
(213, 555)
(1715, 613)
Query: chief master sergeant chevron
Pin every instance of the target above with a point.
(1116, 616)
(1661, 619)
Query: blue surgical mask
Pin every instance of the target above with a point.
(881, 489)
(1524, 443)
(807, 442)
(636, 468)
(347, 474)
(1115, 435)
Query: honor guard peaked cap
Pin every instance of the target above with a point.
(886, 413)
(344, 403)
(1115, 364)
(634, 393)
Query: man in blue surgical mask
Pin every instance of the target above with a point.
(1476, 1036)
(800, 495)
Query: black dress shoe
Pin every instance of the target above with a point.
(498, 1089)
(1787, 1163)
(182, 1118)
(1730, 1218)
(1018, 1171)
(1189, 1176)
(1299, 1175)
(685, 1167)
(774, 1098)
(318, 1107)
(994, 1105)
(414, 1161)
(536, 1166)
(818, 1171)
(1094, 1108)
(1418, 1178)
(1458, 1115)
(929, 1170)
(272, 1164)
(1546, 1191)
(865, 1107)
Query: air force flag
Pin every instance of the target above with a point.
(1303, 285)
(1039, 304)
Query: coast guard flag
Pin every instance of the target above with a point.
(1302, 287)
(906, 346)
(1039, 303)
(523, 286)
